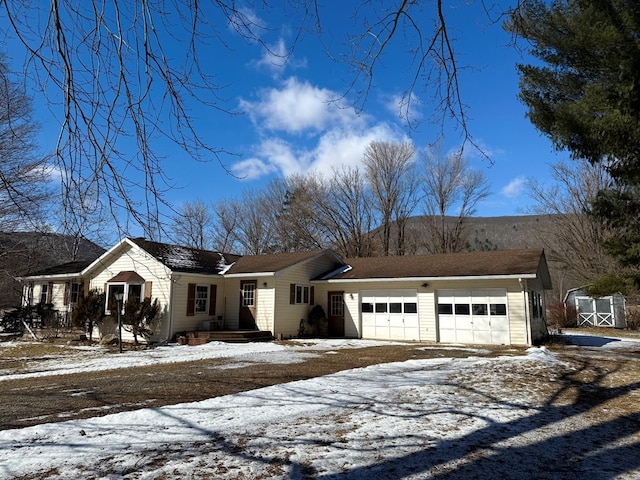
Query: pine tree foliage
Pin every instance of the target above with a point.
(584, 94)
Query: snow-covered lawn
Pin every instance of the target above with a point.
(508, 417)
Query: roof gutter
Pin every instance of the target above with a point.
(57, 276)
(423, 279)
(250, 275)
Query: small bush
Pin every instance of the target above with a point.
(632, 316)
(561, 316)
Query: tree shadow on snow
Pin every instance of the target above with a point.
(493, 452)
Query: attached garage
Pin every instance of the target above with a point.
(490, 298)
(390, 314)
(473, 316)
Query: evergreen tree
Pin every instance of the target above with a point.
(585, 96)
(89, 311)
(140, 317)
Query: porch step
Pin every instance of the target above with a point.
(229, 336)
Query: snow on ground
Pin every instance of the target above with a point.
(453, 418)
(92, 359)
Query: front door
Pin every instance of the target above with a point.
(336, 314)
(248, 300)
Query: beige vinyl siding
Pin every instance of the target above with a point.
(517, 317)
(352, 324)
(427, 314)
(286, 316)
(266, 297)
(135, 259)
(183, 322)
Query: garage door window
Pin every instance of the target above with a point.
(479, 308)
(367, 307)
(462, 309)
(395, 307)
(445, 308)
(498, 309)
(381, 308)
(410, 307)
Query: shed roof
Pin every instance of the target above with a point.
(468, 264)
(186, 259)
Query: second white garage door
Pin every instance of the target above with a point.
(390, 314)
(473, 316)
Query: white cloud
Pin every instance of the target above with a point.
(251, 169)
(297, 107)
(404, 108)
(514, 188)
(277, 57)
(304, 130)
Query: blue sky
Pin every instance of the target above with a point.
(289, 127)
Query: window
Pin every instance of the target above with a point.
(537, 305)
(381, 308)
(75, 292)
(134, 292)
(202, 295)
(112, 290)
(44, 293)
(411, 307)
(129, 291)
(479, 308)
(395, 307)
(498, 309)
(302, 294)
(367, 307)
(248, 294)
(200, 299)
(462, 309)
(445, 309)
(337, 306)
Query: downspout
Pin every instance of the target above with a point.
(527, 319)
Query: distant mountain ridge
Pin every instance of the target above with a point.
(22, 253)
(493, 233)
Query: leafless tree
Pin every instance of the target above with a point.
(254, 230)
(226, 218)
(343, 208)
(24, 174)
(574, 240)
(119, 77)
(452, 192)
(290, 203)
(192, 225)
(391, 177)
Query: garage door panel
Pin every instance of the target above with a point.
(473, 316)
(394, 314)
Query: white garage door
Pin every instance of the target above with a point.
(390, 314)
(473, 316)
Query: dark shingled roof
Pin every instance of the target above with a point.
(186, 259)
(68, 268)
(507, 262)
(271, 263)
